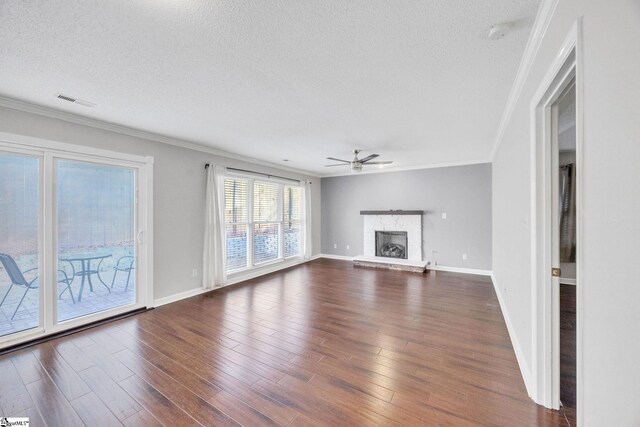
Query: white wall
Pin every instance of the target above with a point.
(179, 185)
(611, 235)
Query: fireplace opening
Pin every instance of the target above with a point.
(391, 244)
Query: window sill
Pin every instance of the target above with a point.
(264, 266)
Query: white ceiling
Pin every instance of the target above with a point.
(417, 82)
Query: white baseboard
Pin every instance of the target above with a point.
(429, 267)
(515, 343)
(460, 270)
(177, 297)
(340, 257)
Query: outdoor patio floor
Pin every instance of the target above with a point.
(98, 300)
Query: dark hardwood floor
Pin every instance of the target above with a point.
(319, 344)
(568, 352)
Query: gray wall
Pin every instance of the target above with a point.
(463, 192)
(179, 186)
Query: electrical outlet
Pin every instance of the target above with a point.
(444, 215)
(464, 257)
(347, 247)
(194, 272)
(335, 246)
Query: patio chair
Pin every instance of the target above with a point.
(125, 264)
(18, 279)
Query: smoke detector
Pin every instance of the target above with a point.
(75, 100)
(498, 31)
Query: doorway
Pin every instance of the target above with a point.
(565, 116)
(556, 188)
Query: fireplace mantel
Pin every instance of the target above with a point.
(397, 212)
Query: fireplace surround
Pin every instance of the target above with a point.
(409, 222)
(393, 240)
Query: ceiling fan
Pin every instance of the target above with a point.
(356, 164)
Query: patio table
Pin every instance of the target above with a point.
(86, 270)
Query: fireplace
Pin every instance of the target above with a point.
(391, 244)
(392, 240)
(405, 234)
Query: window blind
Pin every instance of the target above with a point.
(235, 194)
(265, 201)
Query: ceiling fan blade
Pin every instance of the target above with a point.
(341, 164)
(371, 157)
(380, 163)
(338, 160)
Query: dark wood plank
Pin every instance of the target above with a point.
(175, 370)
(62, 374)
(199, 364)
(14, 397)
(105, 360)
(142, 419)
(34, 415)
(568, 352)
(93, 412)
(119, 402)
(240, 411)
(323, 343)
(28, 367)
(52, 404)
(155, 402)
(72, 354)
(185, 399)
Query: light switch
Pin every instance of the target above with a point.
(444, 215)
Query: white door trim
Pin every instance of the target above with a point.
(566, 65)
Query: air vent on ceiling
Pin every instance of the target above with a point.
(75, 100)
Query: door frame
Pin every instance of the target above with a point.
(49, 151)
(566, 65)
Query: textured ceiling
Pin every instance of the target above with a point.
(415, 81)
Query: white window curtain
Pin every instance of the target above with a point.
(214, 254)
(307, 234)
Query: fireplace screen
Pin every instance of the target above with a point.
(391, 244)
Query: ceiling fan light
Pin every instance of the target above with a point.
(356, 167)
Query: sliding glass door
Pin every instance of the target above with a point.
(74, 242)
(96, 251)
(19, 237)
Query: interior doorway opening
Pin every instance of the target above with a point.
(556, 227)
(565, 116)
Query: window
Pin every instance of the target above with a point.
(235, 192)
(292, 221)
(266, 222)
(263, 222)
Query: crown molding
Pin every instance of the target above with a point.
(374, 170)
(540, 26)
(16, 104)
